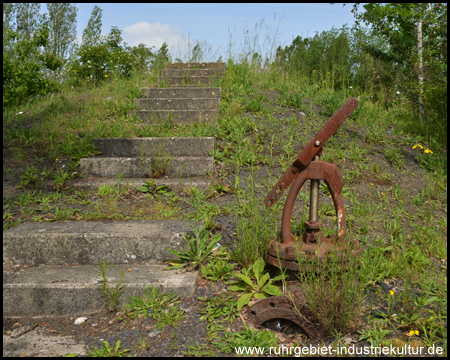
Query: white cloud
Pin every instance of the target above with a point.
(151, 34)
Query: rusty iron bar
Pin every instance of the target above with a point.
(311, 150)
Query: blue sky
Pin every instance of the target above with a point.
(216, 25)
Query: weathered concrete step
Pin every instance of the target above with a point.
(196, 65)
(88, 242)
(58, 290)
(176, 116)
(177, 167)
(155, 146)
(184, 92)
(177, 104)
(192, 72)
(182, 80)
(178, 186)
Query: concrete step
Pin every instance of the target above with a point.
(192, 72)
(177, 167)
(176, 116)
(88, 242)
(146, 146)
(177, 104)
(183, 81)
(57, 290)
(178, 186)
(185, 92)
(196, 65)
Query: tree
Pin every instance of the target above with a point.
(93, 31)
(62, 25)
(27, 18)
(398, 24)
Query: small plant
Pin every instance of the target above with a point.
(108, 351)
(218, 311)
(217, 269)
(161, 307)
(159, 164)
(111, 296)
(60, 179)
(395, 157)
(248, 338)
(149, 187)
(199, 249)
(198, 350)
(260, 289)
(30, 178)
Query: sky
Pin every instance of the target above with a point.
(218, 27)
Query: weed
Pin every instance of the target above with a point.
(395, 157)
(30, 178)
(155, 305)
(111, 295)
(260, 289)
(245, 339)
(199, 249)
(108, 351)
(218, 311)
(150, 188)
(217, 269)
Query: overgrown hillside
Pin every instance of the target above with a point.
(394, 168)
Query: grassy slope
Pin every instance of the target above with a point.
(395, 195)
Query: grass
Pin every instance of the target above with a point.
(394, 194)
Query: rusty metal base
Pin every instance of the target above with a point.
(285, 256)
(281, 307)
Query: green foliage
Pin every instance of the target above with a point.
(246, 338)
(158, 306)
(259, 289)
(111, 295)
(199, 248)
(218, 311)
(217, 269)
(23, 65)
(149, 187)
(108, 351)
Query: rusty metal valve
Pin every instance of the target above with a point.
(307, 166)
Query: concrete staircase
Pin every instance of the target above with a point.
(186, 97)
(51, 269)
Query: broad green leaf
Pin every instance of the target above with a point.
(142, 188)
(272, 290)
(243, 300)
(237, 287)
(263, 280)
(245, 278)
(261, 296)
(258, 268)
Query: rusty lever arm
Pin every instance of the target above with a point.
(313, 147)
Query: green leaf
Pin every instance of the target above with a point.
(142, 188)
(258, 268)
(244, 278)
(272, 290)
(261, 295)
(243, 300)
(263, 280)
(237, 287)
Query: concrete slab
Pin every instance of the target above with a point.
(184, 92)
(146, 146)
(196, 65)
(178, 186)
(193, 72)
(177, 104)
(88, 242)
(177, 167)
(176, 116)
(52, 290)
(183, 80)
(38, 343)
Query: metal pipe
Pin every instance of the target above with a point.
(314, 198)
